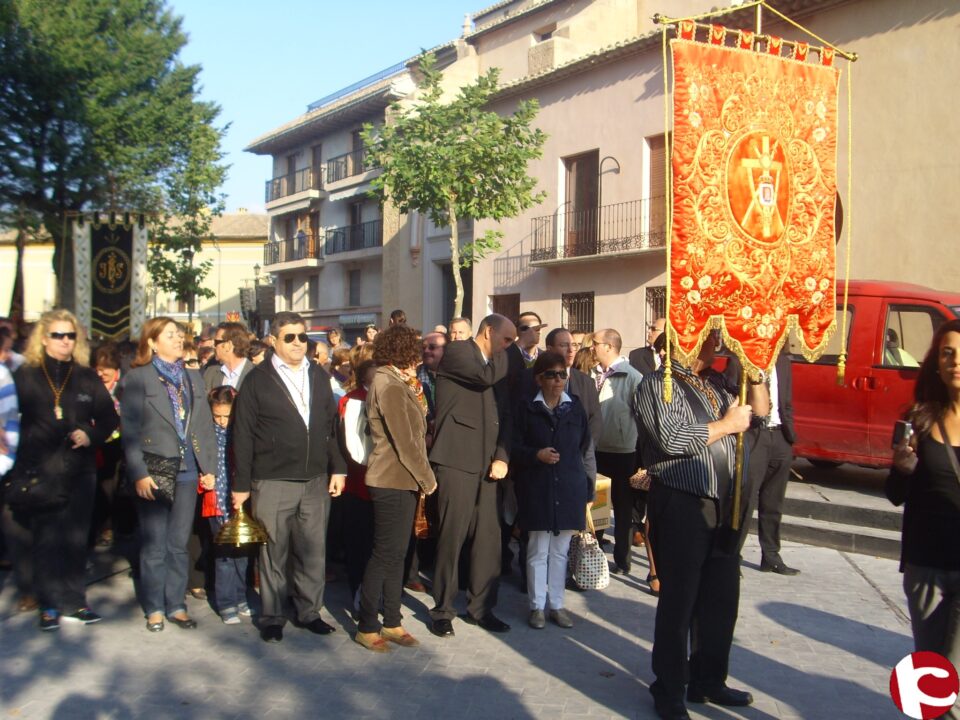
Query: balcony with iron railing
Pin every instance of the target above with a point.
(293, 183)
(302, 247)
(347, 166)
(354, 237)
(611, 230)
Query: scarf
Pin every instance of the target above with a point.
(415, 386)
(171, 376)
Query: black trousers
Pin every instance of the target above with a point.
(468, 511)
(619, 467)
(357, 537)
(771, 457)
(393, 512)
(60, 547)
(699, 593)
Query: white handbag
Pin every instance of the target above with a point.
(587, 560)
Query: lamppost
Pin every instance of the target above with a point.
(616, 171)
(188, 254)
(256, 299)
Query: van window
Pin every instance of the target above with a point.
(907, 334)
(832, 354)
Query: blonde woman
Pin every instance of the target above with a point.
(66, 413)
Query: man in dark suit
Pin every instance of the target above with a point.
(470, 453)
(645, 360)
(771, 455)
(230, 346)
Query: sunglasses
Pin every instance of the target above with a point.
(192, 362)
(524, 328)
(554, 374)
(62, 335)
(432, 347)
(221, 341)
(290, 337)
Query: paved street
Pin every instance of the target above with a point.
(814, 646)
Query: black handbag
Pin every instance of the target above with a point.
(32, 489)
(164, 471)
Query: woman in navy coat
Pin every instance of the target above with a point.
(556, 478)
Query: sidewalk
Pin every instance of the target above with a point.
(814, 646)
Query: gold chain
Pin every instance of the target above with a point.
(57, 391)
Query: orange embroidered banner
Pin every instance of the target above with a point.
(754, 193)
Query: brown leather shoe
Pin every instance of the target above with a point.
(374, 644)
(637, 539)
(417, 587)
(403, 639)
(27, 603)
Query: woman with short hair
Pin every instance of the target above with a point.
(397, 472)
(66, 414)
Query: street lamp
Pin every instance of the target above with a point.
(616, 171)
(256, 298)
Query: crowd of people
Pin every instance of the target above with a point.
(476, 438)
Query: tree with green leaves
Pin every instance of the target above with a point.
(96, 112)
(457, 159)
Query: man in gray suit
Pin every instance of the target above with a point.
(230, 346)
(470, 453)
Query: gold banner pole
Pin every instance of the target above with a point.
(738, 472)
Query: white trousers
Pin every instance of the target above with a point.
(547, 567)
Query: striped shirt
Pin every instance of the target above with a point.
(673, 445)
(9, 419)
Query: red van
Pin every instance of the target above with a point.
(889, 328)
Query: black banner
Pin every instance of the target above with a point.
(111, 245)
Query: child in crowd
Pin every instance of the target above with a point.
(230, 562)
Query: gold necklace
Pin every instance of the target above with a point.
(303, 382)
(57, 391)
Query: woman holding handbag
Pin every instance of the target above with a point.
(168, 441)
(925, 478)
(66, 414)
(397, 472)
(555, 481)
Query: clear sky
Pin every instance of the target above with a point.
(264, 62)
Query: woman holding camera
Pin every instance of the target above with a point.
(925, 478)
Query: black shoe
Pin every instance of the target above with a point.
(184, 623)
(271, 633)
(442, 628)
(155, 627)
(318, 627)
(670, 709)
(619, 570)
(777, 566)
(49, 620)
(721, 695)
(489, 622)
(84, 615)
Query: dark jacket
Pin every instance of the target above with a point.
(473, 419)
(579, 385)
(641, 360)
(213, 376)
(148, 422)
(551, 497)
(270, 441)
(85, 403)
(784, 397)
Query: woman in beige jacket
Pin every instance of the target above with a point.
(397, 472)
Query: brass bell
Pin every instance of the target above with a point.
(241, 529)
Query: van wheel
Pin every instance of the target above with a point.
(824, 464)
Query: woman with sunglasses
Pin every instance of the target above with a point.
(66, 414)
(166, 421)
(925, 479)
(555, 481)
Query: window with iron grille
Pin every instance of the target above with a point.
(578, 311)
(656, 305)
